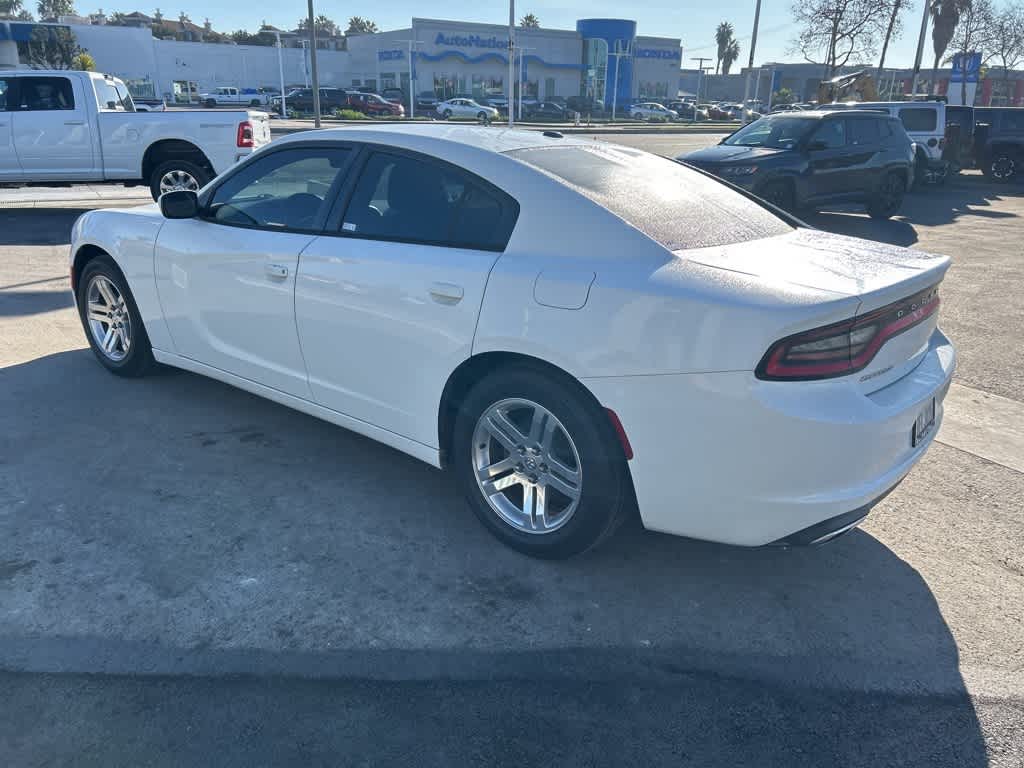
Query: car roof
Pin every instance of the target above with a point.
(440, 138)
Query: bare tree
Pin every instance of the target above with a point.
(892, 32)
(1006, 40)
(834, 32)
(971, 36)
(723, 37)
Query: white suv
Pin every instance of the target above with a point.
(925, 124)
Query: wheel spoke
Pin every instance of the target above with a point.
(99, 313)
(540, 519)
(504, 431)
(548, 435)
(108, 296)
(492, 487)
(540, 418)
(528, 504)
(109, 338)
(563, 479)
(497, 468)
(123, 337)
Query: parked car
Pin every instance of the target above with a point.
(649, 110)
(714, 112)
(924, 122)
(330, 99)
(776, 108)
(687, 110)
(807, 367)
(230, 96)
(67, 126)
(461, 107)
(149, 104)
(809, 159)
(394, 95)
(997, 145)
(426, 102)
(587, 106)
(546, 110)
(373, 104)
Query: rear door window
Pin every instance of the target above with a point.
(670, 203)
(863, 131)
(5, 89)
(919, 119)
(831, 134)
(44, 94)
(1011, 121)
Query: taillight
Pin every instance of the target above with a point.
(846, 347)
(245, 136)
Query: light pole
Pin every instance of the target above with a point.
(511, 61)
(750, 64)
(920, 50)
(312, 65)
(305, 61)
(280, 72)
(412, 81)
(618, 54)
(522, 56)
(700, 77)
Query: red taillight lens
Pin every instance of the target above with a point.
(847, 347)
(245, 136)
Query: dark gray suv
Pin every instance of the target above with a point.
(813, 159)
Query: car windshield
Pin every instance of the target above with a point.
(782, 132)
(670, 203)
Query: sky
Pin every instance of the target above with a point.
(693, 22)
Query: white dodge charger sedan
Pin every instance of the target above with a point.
(574, 329)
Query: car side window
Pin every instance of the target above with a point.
(405, 199)
(288, 189)
(863, 131)
(831, 134)
(4, 89)
(43, 94)
(1011, 121)
(919, 119)
(107, 97)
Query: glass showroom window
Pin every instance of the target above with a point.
(595, 67)
(388, 80)
(479, 86)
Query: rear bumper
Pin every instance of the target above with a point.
(729, 458)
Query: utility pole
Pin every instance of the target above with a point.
(522, 55)
(412, 72)
(700, 72)
(511, 61)
(920, 50)
(312, 65)
(750, 64)
(618, 54)
(280, 72)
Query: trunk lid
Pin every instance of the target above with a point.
(260, 128)
(878, 274)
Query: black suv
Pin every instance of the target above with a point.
(330, 99)
(991, 138)
(809, 159)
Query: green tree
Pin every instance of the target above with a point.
(529, 21)
(732, 52)
(357, 25)
(49, 48)
(783, 96)
(1006, 41)
(84, 62)
(13, 9)
(971, 35)
(723, 37)
(51, 9)
(324, 26)
(244, 37)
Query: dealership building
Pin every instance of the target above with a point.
(603, 58)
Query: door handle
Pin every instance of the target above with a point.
(279, 271)
(74, 122)
(446, 293)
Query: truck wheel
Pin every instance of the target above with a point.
(175, 175)
(210, 103)
(1003, 166)
(888, 198)
(255, 103)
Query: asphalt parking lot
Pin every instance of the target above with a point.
(190, 575)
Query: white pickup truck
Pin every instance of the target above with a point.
(60, 127)
(248, 97)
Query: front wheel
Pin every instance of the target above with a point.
(446, 114)
(111, 320)
(780, 194)
(210, 103)
(174, 175)
(889, 197)
(539, 464)
(1003, 166)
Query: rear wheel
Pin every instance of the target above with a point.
(174, 175)
(111, 320)
(447, 114)
(538, 463)
(1003, 166)
(255, 103)
(210, 103)
(888, 198)
(780, 194)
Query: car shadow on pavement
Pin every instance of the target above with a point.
(19, 303)
(37, 226)
(176, 526)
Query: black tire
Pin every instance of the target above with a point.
(920, 171)
(482, 116)
(200, 174)
(139, 358)
(888, 198)
(210, 103)
(1003, 166)
(780, 194)
(447, 114)
(255, 103)
(605, 486)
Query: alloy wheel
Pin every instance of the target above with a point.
(526, 466)
(109, 320)
(1003, 167)
(176, 180)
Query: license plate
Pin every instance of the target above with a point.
(923, 425)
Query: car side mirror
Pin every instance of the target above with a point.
(179, 204)
(817, 146)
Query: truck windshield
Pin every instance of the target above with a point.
(779, 132)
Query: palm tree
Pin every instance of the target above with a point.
(723, 36)
(529, 21)
(945, 16)
(732, 52)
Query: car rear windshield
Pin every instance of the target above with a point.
(675, 205)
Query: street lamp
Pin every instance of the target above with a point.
(280, 72)
(750, 62)
(412, 81)
(618, 54)
(312, 65)
(522, 56)
(700, 77)
(511, 60)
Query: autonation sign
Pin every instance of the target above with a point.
(655, 53)
(471, 41)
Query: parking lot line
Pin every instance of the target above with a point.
(986, 425)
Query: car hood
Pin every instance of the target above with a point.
(877, 273)
(723, 153)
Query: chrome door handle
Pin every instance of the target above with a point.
(74, 122)
(446, 293)
(279, 271)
